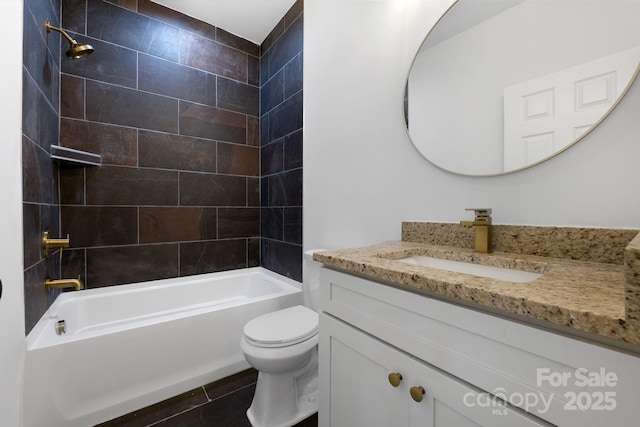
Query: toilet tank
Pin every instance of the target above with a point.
(311, 280)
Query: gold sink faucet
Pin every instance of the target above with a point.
(482, 226)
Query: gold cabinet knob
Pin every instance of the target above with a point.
(417, 393)
(395, 378)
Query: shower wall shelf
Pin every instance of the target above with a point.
(71, 157)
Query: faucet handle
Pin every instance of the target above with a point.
(480, 212)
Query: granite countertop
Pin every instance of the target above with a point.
(584, 295)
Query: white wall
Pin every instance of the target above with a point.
(12, 302)
(362, 177)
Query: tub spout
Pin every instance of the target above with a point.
(76, 284)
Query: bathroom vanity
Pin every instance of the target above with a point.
(408, 345)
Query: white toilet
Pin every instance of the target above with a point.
(283, 347)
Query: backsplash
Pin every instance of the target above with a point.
(585, 244)
(173, 106)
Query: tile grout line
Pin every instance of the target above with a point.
(209, 400)
(234, 391)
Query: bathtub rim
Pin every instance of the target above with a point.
(33, 338)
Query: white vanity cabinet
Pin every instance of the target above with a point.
(362, 395)
(464, 360)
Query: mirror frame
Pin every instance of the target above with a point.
(405, 107)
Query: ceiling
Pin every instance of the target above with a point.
(250, 19)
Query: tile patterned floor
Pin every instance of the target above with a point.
(220, 404)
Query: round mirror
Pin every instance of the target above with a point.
(501, 85)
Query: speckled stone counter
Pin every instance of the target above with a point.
(597, 297)
(632, 276)
(579, 243)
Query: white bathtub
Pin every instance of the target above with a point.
(130, 346)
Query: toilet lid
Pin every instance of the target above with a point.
(283, 327)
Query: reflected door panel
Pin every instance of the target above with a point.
(544, 115)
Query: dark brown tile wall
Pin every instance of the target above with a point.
(40, 118)
(200, 134)
(166, 100)
(281, 145)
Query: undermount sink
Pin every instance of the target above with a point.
(488, 271)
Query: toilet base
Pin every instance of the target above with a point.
(284, 400)
(306, 408)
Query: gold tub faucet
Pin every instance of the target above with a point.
(482, 227)
(76, 284)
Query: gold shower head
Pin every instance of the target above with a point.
(76, 51)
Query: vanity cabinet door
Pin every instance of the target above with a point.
(360, 394)
(448, 402)
(357, 391)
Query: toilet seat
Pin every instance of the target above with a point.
(282, 328)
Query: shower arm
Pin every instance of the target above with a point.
(50, 27)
